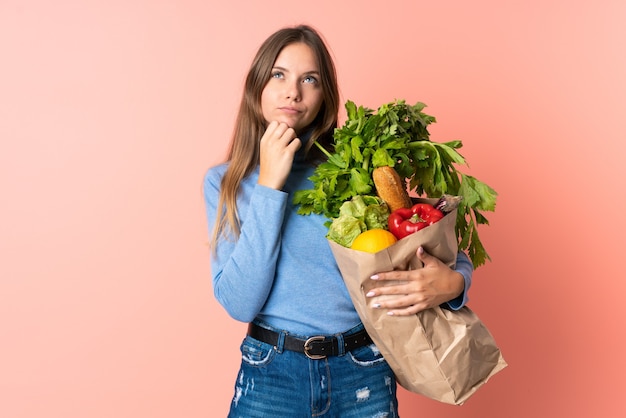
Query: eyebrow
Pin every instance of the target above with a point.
(276, 67)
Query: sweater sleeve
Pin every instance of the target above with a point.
(243, 269)
(466, 268)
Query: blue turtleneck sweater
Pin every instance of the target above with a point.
(281, 269)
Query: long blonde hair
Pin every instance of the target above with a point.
(243, 154)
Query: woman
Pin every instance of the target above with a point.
(306, 352)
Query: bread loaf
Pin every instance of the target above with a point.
(391, 188)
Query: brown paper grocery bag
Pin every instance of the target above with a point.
(439, 353)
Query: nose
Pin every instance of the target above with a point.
(292, 90)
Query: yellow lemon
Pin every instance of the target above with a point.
(373, 240)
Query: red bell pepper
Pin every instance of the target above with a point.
(405, 221)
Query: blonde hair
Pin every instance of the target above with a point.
(243, 154)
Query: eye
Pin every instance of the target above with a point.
(309, 79)
(278, 74)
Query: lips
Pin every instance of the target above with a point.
(290, 110)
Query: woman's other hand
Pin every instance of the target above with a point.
(277, 149)
(424, 288)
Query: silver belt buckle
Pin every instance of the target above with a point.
(307, 348)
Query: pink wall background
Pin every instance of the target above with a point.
(111, 111)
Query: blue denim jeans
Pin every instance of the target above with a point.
(277, 383)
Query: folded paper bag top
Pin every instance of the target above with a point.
(442, 354)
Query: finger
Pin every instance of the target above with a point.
(401, 306)
(277, 131)
(270, 129)
(398, 297)
(394, 289)
(395, 302)
(390, 275)
(425, 257)
(294, 145)
(281, 130)
(398, 275)
(288, 135)
(411, 310)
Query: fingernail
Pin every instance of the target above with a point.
(376, 305)
(370, 294)
(374, 277)
(390, 313)
(420, 250)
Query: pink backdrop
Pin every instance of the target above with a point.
(111, 111)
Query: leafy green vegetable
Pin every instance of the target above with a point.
(357, 215)
(397, 135)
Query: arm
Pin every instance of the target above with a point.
(425, 288)
(243, 270)
(466, 268)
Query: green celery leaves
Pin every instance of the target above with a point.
(397, 135)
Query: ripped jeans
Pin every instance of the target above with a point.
(278, 383)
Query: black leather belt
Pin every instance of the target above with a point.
(315, 347)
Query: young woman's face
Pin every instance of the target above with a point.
(293, 94)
